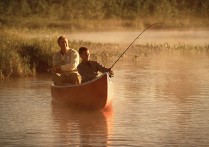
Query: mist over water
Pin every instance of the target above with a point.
(193, 37)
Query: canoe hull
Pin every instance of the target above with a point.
(96, 94)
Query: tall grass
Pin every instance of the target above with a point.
(22, 56)
(28, 54)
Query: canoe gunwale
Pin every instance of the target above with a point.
(81, 84)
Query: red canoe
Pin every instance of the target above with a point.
(96, 94)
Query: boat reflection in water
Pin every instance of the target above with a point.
(80, 127)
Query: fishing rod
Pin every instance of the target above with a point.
(132, 43)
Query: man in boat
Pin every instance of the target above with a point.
(65, 64)
(89, 69)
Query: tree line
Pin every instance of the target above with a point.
(102, 9)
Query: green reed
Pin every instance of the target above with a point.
(26, 55)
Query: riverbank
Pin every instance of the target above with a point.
(26, 53)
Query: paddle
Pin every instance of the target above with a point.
(133, 43)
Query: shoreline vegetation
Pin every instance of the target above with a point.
(102, 15)
(22, 55)
(26, 50)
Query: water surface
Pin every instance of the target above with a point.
(161, 100)
(192, 37)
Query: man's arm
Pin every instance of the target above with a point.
(74, 61)
(55, 64)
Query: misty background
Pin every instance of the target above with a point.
(103, 14)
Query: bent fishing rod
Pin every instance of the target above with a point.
(132, 43)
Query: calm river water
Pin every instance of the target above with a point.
(162, 100)
(164, 103)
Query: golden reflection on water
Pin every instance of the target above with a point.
(167, 94)
(82, 128)
(155, 36)
(160, 100)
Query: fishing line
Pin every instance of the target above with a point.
(133, 43)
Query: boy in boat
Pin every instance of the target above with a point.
(89, 69)
(65, 64)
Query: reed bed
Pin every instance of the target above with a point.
(26, 55)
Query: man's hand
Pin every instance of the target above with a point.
(56, 69)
